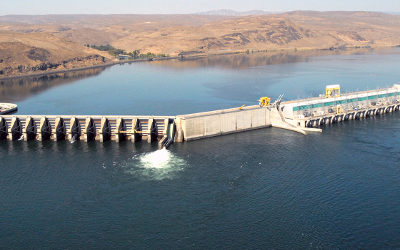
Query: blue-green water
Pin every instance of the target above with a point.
(267, 188)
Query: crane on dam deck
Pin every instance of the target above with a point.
(264, 101)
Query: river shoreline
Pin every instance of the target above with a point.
(185, 57)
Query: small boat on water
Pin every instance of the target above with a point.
(7, 108)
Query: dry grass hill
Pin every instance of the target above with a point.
(53, 42)
(22, 53)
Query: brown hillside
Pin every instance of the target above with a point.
(22, 53)
(30, 43)
(301, 30)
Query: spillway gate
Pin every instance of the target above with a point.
(86, 128)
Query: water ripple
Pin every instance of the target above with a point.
(158, 165)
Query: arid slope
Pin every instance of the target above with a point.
(22, 53)
(296, 30)
(42, 43)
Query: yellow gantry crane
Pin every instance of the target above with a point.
(332, 91)
(264, 102)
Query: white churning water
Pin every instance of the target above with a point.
(158, 165)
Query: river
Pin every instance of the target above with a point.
(267, 188)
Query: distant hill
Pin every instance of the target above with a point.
(294, 30)
(34, 43)
(227, 12)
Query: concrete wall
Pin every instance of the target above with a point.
(219, 122)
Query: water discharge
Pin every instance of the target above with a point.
(158, 165)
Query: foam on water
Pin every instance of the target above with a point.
(157, 165)
(158, 159)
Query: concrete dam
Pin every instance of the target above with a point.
(303, 116)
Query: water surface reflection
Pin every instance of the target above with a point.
(19, 89)
(256, 59)
(15, 90)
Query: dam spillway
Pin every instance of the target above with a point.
(87, 128)
(133, 128)
(303, 116)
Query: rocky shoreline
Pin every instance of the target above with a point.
(53, 67)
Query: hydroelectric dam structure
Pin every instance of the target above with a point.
(303, 116)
